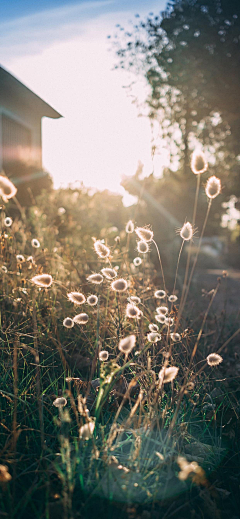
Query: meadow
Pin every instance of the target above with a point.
(119, 383)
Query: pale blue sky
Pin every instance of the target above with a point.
(60, 51)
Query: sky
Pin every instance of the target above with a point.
(60, 50)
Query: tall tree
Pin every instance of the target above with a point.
(190, 56)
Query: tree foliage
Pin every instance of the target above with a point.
(190, 57)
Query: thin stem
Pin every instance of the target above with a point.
(198, 250)
(160, 261)
(38, 383)
(179, 256)
(190, 245)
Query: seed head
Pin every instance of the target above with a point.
(153, 328)
(214, 359)
(81, 318)
(213, 187)
(109, 273)
(130, 227)
(137, 262)
(119, 285)
(20, 258)
(169, 321)
(160, 294)
(172, 298)
(153, 337)
(42, 280)
(160, 318)
(132, 311)
(95, 278)
(92, 300)
(8, 221)
(186, 231)
(61, 211)
(7, 189)
(168, 374)
(35, 243)
(103, 355)
(198, 162)
(134, 299)
(142, 247)
(4, 474)
(176, 337)
(163, 310)
(60, 402)
(86, 431)
(101, 249)
(127, 344)
(144, 234)
(77, 298)
(68, 322)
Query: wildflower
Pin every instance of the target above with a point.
(129, 227)
(77, 298)
(101, 249)
(92, 300)
(198, 162)
(168, 374)
(142, 247)
(35, 243)
(160, 318)
(127, 344)
(86, 431)
(95, 278)
(132, 311)
(61, 211)
(68, 322)
(153, 328)
(60, 402)
(162, 310)
(4, 269)
(8, 221)
(134, 299)
(4, 474)
(153, 337)
(103, 355)
(172, 298)
(109, 273)
(214, 359)
(120, 285)
(7, 189)
(137, 262)
(81, 318)
(176, 337)
(30, 259)
(144, 234)
(42, 280)
(160, 294)
(213, 187)
(20, 258)
(186, 231)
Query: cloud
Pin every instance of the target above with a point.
(32, 33)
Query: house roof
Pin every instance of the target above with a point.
(14, 88)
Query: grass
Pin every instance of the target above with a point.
(155, 449)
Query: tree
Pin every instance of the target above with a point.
(190, 57)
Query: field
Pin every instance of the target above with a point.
(119, 382)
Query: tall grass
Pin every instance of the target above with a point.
(98, 406)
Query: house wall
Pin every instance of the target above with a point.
(30, 119)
